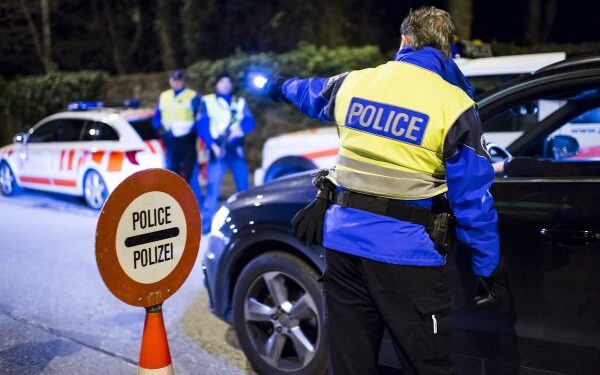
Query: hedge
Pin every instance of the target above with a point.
(26, 100)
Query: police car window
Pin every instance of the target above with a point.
(578, 139)
(144, 128)
(47, 132)
(69, 130)
(483, 84)
(99, 131)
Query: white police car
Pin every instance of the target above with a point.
(317, 148)
(85, 151)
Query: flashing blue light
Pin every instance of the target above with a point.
(259, 81)
(82, 106)
(131, 103)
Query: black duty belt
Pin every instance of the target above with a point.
(384, 206)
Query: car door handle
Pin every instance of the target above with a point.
(570, 237)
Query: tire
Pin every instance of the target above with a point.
(278, 316)
(8, 181)
(95, 191)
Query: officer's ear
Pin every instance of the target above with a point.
(405, 41)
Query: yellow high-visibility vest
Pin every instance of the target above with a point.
(392, 123)
(177, 115)
(220, 112)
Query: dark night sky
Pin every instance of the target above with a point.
(576, 20)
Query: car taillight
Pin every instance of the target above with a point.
(131, 156)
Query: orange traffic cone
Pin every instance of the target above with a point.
(155, 358)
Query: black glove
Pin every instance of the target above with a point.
(308, 222)
(273, 88)
(490, 291)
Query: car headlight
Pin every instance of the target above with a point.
(219, 219)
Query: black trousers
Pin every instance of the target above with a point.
(364, 297)
(181, 156)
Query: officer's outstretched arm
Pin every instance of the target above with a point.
(315, 97)
(470, 175)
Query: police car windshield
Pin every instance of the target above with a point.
(144, 128)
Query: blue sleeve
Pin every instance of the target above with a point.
(156, 119)
(203, 125)
(247, 124)
(315, 97)
(470, 175)
(195, 105)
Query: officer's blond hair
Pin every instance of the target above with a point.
(429, 26)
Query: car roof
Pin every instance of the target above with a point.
(508, 65)
(576, 65)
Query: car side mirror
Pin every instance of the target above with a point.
(560, 147)
(20, 138)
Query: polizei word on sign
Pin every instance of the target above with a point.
(151, 237)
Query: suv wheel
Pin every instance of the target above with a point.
(8, 182)
(278, 316)
(94, 189)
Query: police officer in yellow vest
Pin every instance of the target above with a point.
(223, 121)
(174, 119)
(411, 152)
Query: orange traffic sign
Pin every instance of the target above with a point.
(147, 237)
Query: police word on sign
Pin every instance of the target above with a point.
(151, 237)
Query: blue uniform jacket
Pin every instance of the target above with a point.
(469, 176)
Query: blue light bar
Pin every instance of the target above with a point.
(82, 106)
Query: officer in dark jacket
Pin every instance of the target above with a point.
(411, 151)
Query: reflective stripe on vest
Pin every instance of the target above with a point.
(177, 115)
(392, 123)
(219, 112)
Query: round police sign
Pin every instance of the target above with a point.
(147, 237)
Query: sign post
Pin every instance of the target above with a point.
(147, 241)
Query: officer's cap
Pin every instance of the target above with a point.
(177, 74)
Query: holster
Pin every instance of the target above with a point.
(439, 231)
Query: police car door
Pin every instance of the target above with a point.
(65, 157)
(34, 157)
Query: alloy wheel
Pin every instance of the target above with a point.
(7, 179)
(282, 320)
(95, 190)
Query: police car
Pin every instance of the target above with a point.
(317, 148)
(85, 151)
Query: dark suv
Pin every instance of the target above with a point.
(265, 282)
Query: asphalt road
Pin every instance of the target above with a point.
(57, 317)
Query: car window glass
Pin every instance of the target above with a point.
(47, 132)
(144, 128)
(485, 83)
(584, 130)
(69, 130)
(99, 131)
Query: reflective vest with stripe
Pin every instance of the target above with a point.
(220, 113)
(392, 123)
(177, 114)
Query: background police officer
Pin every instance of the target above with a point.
(410, 143)
(174, 119)
(223, 121)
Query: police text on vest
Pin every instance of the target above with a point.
(386, 120)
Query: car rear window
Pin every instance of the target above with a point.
(144, 128)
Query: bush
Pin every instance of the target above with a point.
(35, 97)
(26, 100)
